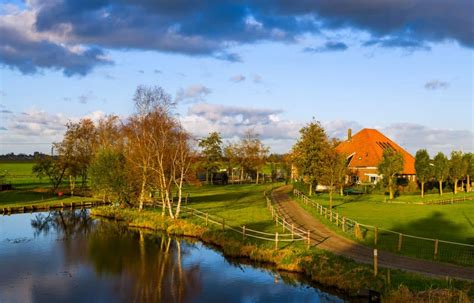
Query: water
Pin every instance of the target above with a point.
(69, 257)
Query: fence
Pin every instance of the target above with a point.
(293, 233)
(393, 241)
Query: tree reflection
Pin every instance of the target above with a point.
(145, 267)
(150, 267)
(63, 223)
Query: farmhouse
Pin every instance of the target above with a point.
(364, 152)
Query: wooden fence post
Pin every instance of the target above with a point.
(283, 225)
(243, 231)
(343, 224)
(376, 235)
(207, 218)
(320, 210)
(276, 219)
(276, 240)
(309, 238)
(330, 215)
(436, 249)
(292, 231)
(337, 219)
(376, 269)
(400, 239)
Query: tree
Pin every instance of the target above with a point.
(76, 150)
(440, 169)
(423, 168)
(50, 167)
(457, 168)
(233, 156)
(334, 170)
(390, 166)
(109, 175)
(309, 153)
(469, 158)
(211, 147)
(253, 153)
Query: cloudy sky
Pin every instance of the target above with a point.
(402, 66)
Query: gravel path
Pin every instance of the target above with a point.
(324, 238)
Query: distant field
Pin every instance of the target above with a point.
(20, 176)
(28, 189)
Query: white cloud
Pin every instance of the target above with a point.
(436, 85)
(35, 129)
(237, 78)
(194, 93)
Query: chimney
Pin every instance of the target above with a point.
(349, 134)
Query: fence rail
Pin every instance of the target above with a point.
(385, 239)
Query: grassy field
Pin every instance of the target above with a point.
(28, 189)
(238, 204)
(19, 174)
(450, 222)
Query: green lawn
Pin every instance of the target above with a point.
(19, 174)
(28, 189)
(450, 222)
(13, 198)
(238, 204)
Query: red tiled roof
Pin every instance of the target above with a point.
(367, 146)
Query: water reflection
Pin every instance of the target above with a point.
(70, 257)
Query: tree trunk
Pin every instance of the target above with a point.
(310, 189)
(330, 198)
(390, 188)
(422, 189)
(440, 187)
(241, 175)
(468, 183)
(142, 192)
(72, 184)
(232, 175)
(341, 190)
(207, 176)
(455, 185)
(256, 179)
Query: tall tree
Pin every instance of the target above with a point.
(309, 153)
(334, 170)
(423, 168)
(469, 158)
(253, 152)
(440, 169)
(234, 158)
(50, 167)
(211, 149)
(390, 166)
(457, 168)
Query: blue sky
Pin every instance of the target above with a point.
(408, 75)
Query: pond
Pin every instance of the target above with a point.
(67, 256)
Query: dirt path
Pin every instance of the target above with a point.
(324, 238)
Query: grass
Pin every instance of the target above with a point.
(20, 175)
(29, 189)
(245, 204)
(13, 198)
(450, 222)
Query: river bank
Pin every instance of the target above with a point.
(319, 266)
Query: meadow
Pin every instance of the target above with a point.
(29, 189)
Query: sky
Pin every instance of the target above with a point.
(404, 67)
